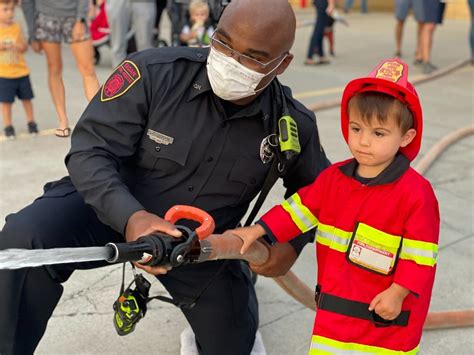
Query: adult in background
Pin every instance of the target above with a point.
(141, 14)
(50, 23)
(402, 8)
(431, 15)
(324, 9)
(172, 125)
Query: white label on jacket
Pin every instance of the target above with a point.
(371, 257)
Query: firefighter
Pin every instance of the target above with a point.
(171, 126)
(377, 224)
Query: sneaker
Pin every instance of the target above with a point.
(10, 132)
(418, 62)
(32, 128)
(428, 68)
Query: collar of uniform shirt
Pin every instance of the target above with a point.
(201, 84)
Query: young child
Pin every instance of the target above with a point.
(199, 33)
(14, 78)
(377, 223)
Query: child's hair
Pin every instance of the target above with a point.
(198, 5)
(378, 105)
(14, 2)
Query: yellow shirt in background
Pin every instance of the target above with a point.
(12, 63)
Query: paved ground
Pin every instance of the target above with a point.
(82, 322)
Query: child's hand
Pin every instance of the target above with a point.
(249, 235)
(388, 304)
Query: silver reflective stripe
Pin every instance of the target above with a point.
(334, 238)
(295, 207)
(330, 349)
(420, 252)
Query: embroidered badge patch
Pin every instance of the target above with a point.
(122, 79)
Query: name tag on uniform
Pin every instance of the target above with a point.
(373, 249)
(159, 138)
(371, 257)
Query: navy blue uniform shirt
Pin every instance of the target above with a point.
(156, 135)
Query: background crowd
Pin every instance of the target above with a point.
(130, 25)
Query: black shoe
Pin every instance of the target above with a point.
(10, 132)
(32, 128)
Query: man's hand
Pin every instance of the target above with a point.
(388, 304)
(37, 47)
(142, 223)
(281, 259)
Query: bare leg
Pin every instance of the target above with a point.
(418, 55)
(84, 55)
(55, 80)
(398, 37)
(28, 106)
(7, 114)
(427, 41)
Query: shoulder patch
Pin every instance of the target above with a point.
(122, 79)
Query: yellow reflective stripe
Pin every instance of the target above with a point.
(333, 237)
(389, 240)
(323, 345)
(299, 213)
(422, 253)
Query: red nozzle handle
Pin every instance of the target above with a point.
(178, 212)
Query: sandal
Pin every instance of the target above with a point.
(63, 133)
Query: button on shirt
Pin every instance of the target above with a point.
(167, 140)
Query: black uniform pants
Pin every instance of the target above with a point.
(224, 319)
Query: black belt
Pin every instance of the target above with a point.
(356, 309)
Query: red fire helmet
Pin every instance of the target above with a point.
(389, 77)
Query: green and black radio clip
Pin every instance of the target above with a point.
(288, 137)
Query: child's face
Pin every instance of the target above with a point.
(7, 13)
(374, 146)
(199, 15)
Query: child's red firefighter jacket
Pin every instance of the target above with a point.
(367, 237)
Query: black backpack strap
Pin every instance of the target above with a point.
(270, 180)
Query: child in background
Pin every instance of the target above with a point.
(14, 78)
(199, 32)
(377, 223)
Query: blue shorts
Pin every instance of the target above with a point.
(402, 7)
(431, 11)
(19, 87)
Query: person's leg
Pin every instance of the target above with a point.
(28, 106)
(316, 42)
(402, 7)
(84, 55)
(25, 94)
(398, 37)
(52, 51)
(118, 15)
(364, 7)
(321, 23)
(59, 218)
(160, 6)
(143, 22)
(7, 113)
(348, 5)
(225, 317)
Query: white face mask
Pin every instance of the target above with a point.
(230, 80)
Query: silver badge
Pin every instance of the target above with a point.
(159, 138)
(267, 148)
